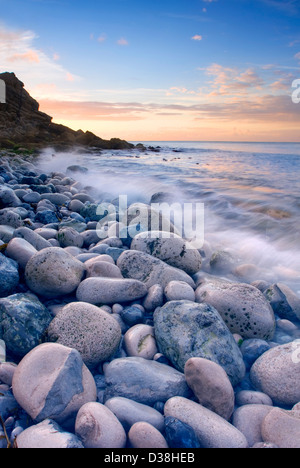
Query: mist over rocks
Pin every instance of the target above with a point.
(116, 341)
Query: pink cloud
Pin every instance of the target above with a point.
(29, 56)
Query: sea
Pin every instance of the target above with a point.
(250, 193)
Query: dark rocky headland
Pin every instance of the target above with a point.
(115, 336)
(23, 125)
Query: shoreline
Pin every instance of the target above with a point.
(144, 290)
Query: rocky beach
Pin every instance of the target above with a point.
(116, 335)
(114, 341)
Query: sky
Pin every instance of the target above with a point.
(159, 70)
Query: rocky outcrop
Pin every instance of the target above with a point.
(23, 124)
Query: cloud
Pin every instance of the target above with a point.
(297, 56)
(32, 65)
(232, 81)
(122, 42)
(197, 37)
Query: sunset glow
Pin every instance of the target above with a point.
(202, 70)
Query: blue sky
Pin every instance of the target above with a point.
(159, 69)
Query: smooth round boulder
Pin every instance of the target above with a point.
(103, 269)
(20, 250)
(69, 237)
(282, 428)
(97, 290)
(144, 435)
(243, 307)
(185, 329)
(97, 427)
(211, 430)
(277, 373)
(52, 381)
(170, 248)
(87, 328)
(53, 272)
(139, 341)
(47, 435)
(210, 385)
(248, 420)
(179, 290)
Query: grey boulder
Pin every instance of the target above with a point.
(185, 329)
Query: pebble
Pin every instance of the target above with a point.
(211, 386)
(97, 290)
(277, 373)
(179, 290)
(129, 412)
(102, 269)
(132, 315)
(20, 250)
(97, 427)
(144, 435)
(51, 381)
(211, 430)
(37, 241)
(285, 303)
(87, 328)
(53, 272)
(180, 435)
(185, 329)
(248, 419)
(139, 341)
(251, 397)
(154, 298)
(47, 435)
(7, 370)
(69, 237)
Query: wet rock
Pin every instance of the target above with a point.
(144, 267)
(284, 302)
(98, 290)
(242, 306)
(98, 427)
(87, 328)
(143, 381)
(277, 373)
(47, 435)
(23, 322)
(52, 382)
(53, 272)
(9, 276)
(184, 329)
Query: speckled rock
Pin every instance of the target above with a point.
(144, 435)
(47, 435)
(68, 237)
(170, 248)
(9, 276)
(277, 373)
(23, 322)
(211, 430)
(51, 381)
(248, 420)
(282, 428)
(243, 307)
(53, 272)
(97, 290)
(154, 298)
(179, 290)
(37, 241)
(87, 328)
(285, 303)
(98, 427)
(210, 385)
(184, 329)
(150, 270)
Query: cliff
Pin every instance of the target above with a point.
(22, 124)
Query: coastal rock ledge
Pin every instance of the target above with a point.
(23, 124)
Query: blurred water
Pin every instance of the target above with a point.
(251, 193)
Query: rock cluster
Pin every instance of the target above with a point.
(119, 342)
